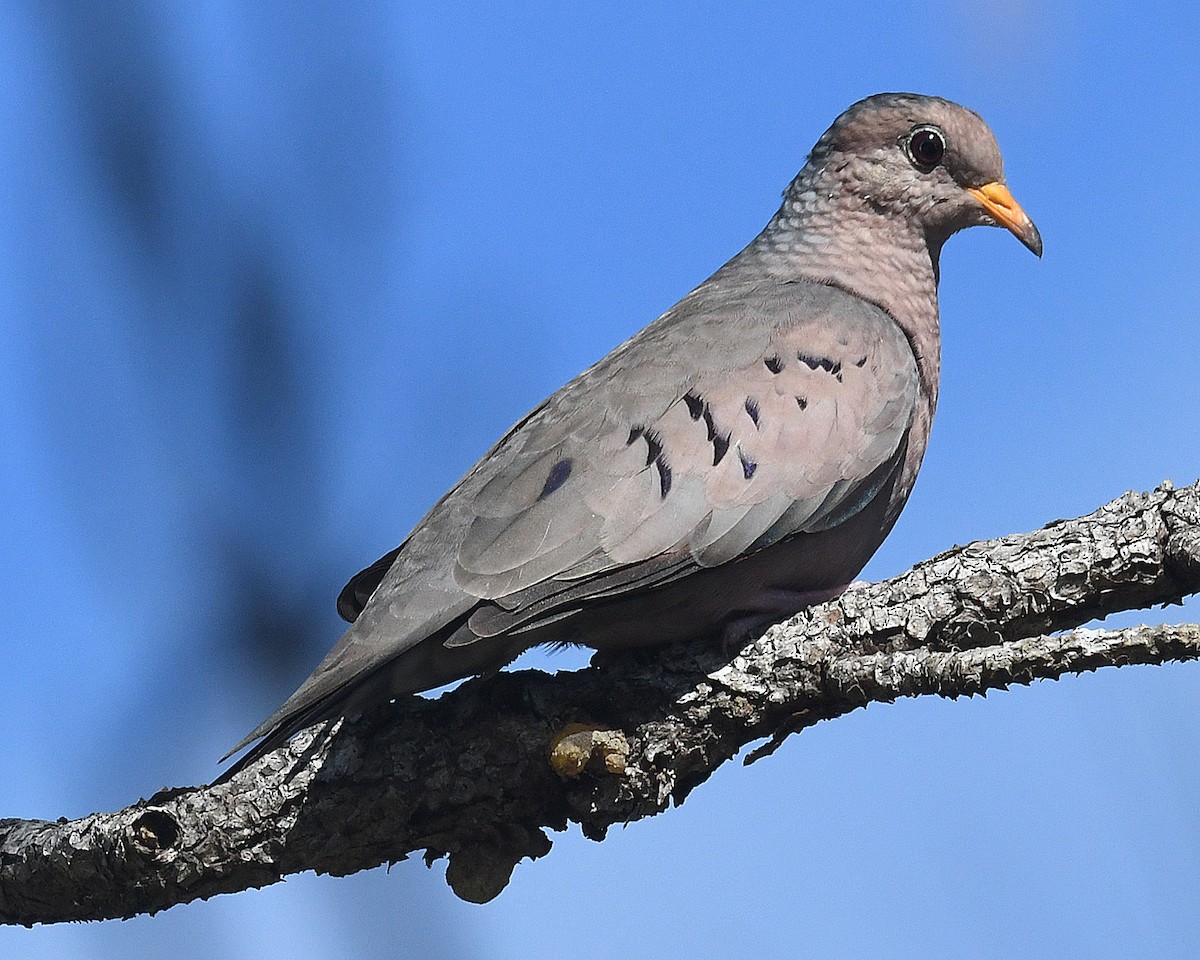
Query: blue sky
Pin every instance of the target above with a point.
(273, 275)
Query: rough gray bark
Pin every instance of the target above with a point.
(479, 774)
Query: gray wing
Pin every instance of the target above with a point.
(764, 420)
(747, 414)
(742, 417)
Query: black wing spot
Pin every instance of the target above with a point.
(720, 448)
(802, 402)
(861, 360)
(748, 465)
(695, 405)
(653, 448)
(720, 443)
(774, 364)
(752, 410)
(664, 475)
(814, 362)
(633, 435)
(558, 476)
(824, 363)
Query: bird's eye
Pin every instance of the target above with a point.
(926, 147)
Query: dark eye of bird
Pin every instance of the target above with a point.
(926, 147)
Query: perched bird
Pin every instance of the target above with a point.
(741, 457)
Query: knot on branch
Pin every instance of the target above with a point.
(155, 832)
(480, 869)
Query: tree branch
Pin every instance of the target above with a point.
(478, 774)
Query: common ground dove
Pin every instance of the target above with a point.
(739, 458)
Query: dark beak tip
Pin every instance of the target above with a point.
(1033, 241)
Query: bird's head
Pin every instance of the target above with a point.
(923, 160)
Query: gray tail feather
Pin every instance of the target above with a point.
(277, 730)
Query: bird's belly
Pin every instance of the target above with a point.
(763, 587)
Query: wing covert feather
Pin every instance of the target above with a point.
(732, 443)
(749, 413)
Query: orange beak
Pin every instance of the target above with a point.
(1002, 208)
